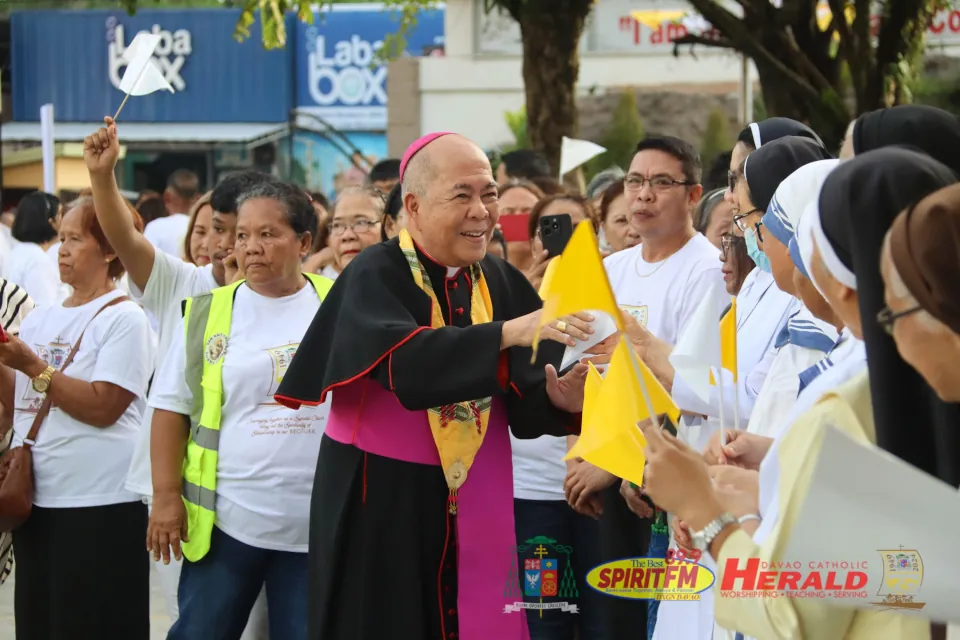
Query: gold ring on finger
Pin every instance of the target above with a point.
(561, 326)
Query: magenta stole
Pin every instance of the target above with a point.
(486, 536)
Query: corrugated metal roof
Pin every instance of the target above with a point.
(148, 131)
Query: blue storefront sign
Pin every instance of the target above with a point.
(336, 75)
(74, 59)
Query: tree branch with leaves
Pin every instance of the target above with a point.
(824, 76)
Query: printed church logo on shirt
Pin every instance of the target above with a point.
(281, 357)
(542, 579)
(640, 313)
(54, 354)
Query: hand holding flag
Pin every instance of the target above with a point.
(102, 149)
(579, 284)
(142, 76)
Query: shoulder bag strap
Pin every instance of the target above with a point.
(31, 438)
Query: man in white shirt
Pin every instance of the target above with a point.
(660, 282)
(167, 233)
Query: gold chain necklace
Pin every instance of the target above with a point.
(636, 267)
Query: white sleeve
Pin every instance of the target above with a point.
(706, 283)
(126, 355)
(170, 391)
(747, 389)
(168, 277)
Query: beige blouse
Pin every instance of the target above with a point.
(848, 409)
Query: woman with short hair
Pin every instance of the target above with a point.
(35, 229)
(81, 368)
(232, 469)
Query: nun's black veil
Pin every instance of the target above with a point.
(934, 131)
(757, 134)
(773, 163)
(858, 204)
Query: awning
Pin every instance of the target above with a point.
(145, 132)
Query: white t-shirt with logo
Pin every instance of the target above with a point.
(168, 233)
(268, 453)
(171, 282)
(663, 296)
(75, 464)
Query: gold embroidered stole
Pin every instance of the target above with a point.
(458, 429)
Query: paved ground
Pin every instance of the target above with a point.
(159, 621)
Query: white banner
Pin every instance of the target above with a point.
(542, 606)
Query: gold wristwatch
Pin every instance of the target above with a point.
(41, 384)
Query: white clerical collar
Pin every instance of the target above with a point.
(452, 271)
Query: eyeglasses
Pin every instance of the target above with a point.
(730, 242)
(886, 318)
(740, 217)
(357, 226)
(657, 183)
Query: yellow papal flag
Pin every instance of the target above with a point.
(578, 283)
(610, 438)
(728, 340)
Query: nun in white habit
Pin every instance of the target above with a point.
(846, 359)
(805, 339)
(779, 343)
(838, 397)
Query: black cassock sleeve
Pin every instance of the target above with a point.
(456, 364)
(376, 321)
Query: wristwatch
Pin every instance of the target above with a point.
(41, 384)
(702, 539)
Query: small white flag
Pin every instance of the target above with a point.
(574, 153)
(143, 76)
(698, 349)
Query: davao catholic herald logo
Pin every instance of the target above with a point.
(170, 55)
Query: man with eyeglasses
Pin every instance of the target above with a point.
(660, 283)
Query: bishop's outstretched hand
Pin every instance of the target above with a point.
(566, 393)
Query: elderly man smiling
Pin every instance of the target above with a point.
(425, 339)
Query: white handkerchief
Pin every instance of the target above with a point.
(603, 327)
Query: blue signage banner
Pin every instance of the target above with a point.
(336, 76)
(74, 59)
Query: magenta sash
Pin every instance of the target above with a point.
(486, 536)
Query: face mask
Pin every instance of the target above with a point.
(755, 253)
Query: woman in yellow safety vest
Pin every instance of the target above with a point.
(232, 469)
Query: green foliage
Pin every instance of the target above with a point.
(717, 137)
(274, 31)
(517, 122)
(270, 12)
(759, 108)
(943, 92)
(621, 137)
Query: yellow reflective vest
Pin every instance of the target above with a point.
(206, 323)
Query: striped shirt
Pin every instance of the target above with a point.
(15, 304)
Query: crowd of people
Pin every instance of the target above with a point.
(393, 329)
